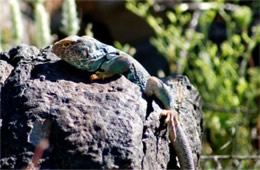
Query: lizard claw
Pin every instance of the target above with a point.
(172, 118)
(99, 75)
(94, 77)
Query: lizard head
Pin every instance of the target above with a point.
(83, 52)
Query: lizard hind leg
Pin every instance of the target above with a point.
(155, 87)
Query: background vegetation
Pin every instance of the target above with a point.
(228, 84)
(225, 72)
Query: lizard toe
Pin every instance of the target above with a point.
(172, 119)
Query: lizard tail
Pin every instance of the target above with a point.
(181, 147)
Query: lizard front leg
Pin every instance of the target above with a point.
(116, 65)
(155, 87)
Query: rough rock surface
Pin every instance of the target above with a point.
(106, 124)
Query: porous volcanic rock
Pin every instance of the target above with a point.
(105, 124)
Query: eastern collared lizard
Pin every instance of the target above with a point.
(104, 61)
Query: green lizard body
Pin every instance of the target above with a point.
(87, 53)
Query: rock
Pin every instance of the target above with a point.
(106, 124)
(190, 114)
(5, 70)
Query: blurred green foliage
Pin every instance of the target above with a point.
(70, 21)
(42, 23)
(15, 35)
(16, 20)
(126, 48)
(228, 85)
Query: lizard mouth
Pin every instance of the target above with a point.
(55, 50)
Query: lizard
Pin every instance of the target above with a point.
(104, 61)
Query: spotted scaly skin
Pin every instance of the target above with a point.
(104, 61)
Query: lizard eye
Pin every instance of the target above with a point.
(66, 45)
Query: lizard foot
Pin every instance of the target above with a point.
(172, 118)
(99, 75)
